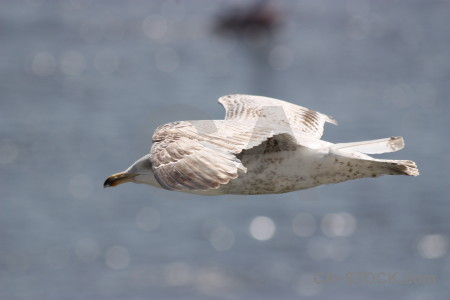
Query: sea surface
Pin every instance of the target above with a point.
(83, 85)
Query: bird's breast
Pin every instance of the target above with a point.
(272, 173)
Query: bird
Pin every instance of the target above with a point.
(263, 146)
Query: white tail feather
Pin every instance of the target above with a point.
(391, 144)
(398, 167)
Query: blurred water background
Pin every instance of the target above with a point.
(84, 83)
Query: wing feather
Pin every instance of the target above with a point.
(187, 156)
(201, 155)
(274, 111)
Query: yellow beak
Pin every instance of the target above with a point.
(118, 178)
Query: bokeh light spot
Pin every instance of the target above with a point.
(222, 238)
(154, 27)
(117, 257)
(262, 228)
(433, 246)
(338, 224)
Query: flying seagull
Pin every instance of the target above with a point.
(264, 146)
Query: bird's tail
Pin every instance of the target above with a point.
(379, 167)
(397, 167)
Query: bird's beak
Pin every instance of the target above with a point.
(118, 178)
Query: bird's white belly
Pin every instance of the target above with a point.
(278, 172)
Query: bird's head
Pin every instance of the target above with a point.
(139, 172)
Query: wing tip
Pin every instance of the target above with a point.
(396, 143)
(222, 99)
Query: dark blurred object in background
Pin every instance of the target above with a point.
(259, 17)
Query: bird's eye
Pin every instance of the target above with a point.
(148, 163)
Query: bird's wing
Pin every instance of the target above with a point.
(201, 155)
(273, 111)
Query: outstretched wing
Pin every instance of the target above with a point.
(273, 111)
(201, 155)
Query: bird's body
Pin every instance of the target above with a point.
(264, 146)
